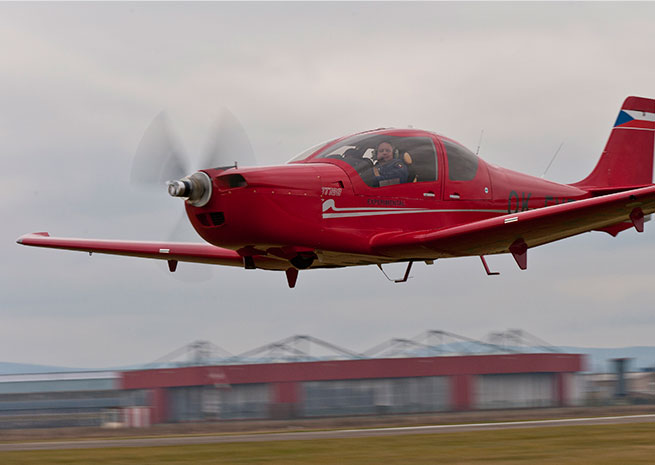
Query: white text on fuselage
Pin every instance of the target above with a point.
(332, 191)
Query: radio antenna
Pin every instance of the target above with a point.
(552, 159)
(479, 143)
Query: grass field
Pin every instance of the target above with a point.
(611, 444)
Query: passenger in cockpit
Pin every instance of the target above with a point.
(389, 169)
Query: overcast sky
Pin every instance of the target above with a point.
(80, 82)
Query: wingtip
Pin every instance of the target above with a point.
(24, 236)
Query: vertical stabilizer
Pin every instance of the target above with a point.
(627, 160)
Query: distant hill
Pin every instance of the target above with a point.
(8, 368)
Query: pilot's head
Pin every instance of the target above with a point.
(384, 152)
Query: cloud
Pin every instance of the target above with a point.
(81, 82)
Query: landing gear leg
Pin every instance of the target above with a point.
(486, 267)
(404, 278)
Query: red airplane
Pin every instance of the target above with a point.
(396, 195)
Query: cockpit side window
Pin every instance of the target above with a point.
(413, 159)
(462, 163)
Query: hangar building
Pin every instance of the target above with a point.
(48, 400)
(356, 387)
(421, 377)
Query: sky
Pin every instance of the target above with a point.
(80, 83)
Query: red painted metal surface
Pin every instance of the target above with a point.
(286, 393)
(628, 136)
(159, 404)
(560, 388)
(320, 211)
(355, 369)
(534, 227)
(462, 392)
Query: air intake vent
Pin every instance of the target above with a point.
(231, 181)
(236, 180)
(218, 218)
(203, 218)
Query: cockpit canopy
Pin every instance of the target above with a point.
(417, 154)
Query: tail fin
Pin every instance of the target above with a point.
(627, 161)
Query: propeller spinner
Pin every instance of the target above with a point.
(197, 189)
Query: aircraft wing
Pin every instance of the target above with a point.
(170, 251)
(516, 232)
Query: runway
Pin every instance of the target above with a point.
(314, 435)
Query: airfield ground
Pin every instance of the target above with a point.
(606, 444)
(227, 427)
(581, 444)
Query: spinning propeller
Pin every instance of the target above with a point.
(160, 161)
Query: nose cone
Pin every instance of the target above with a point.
(179, 188)
(197, 189)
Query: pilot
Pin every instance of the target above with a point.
(389, 170)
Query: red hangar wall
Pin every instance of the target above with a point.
(356, 387)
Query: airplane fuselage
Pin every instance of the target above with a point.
(324, 206)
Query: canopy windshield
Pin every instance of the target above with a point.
(416, 154)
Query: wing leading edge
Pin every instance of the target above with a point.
(170, 251)
(519, 231)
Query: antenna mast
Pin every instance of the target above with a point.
(552, 159)
(479, 143)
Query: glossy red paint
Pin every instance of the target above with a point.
(297, 200)
(324, 211)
